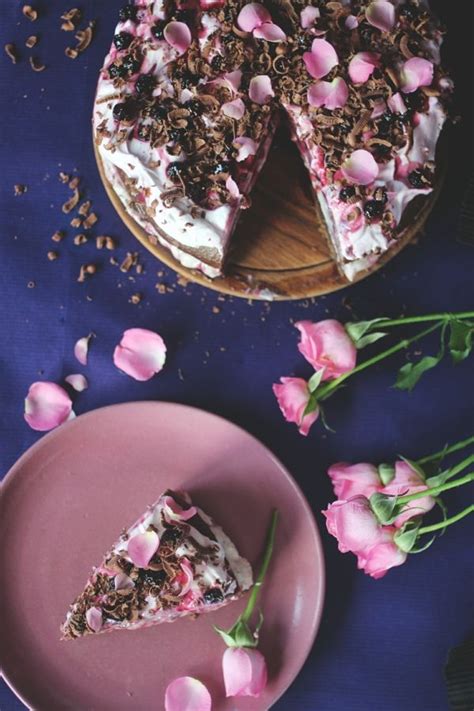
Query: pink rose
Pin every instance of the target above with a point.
(293, 396)
(378, 559)
(245, 671)
(408, 481)
(327, 345)
(350, 480)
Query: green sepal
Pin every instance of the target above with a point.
(438, 479)
(322, 415)
(414, 465)
(368, 339)
(315, 380)
(460, 339)
(420, 549)
(384, 507)
(406, 537)
(386, 473)
(312, 405)
(410, 373)
(240, 635)
(357, 329)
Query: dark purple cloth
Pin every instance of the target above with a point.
(382, 644)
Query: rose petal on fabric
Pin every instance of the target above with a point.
(360, 167)
(416, 72)
(260, 89)
(396, 104)
(351, 22)
(327, 346)
(270, 32)
(187, 694)
(381, 14)
(292, 395)
(123, 582)
(77, 381)
(234, 109)
(47, 405)
(353, 524)
(362, 66)
(81, 349)
(349, 480)
(245, 672)
(233, 188)
(246, 147)
(178, 35)
(140, 354)
(174, 511)
(321, 59)
(142, 547)
(331, 94)
(94, 618)
(185, 577)
(308, 16)
(252, 15)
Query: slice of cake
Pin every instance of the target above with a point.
(174, 561)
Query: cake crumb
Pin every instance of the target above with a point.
(31, 41)
(36, 65)
(80, 239)
(161, 288)
(216, 310)
(136, 298)
(64, 177)
(76, 222)
(84, 208)
(86, 270)
(31, 284)
(11, 52)
(90, 220)
(129, 261)
(58, 236)
(19, 189)
(30, 13)
(52, 255)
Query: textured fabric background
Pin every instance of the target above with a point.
(382, 644)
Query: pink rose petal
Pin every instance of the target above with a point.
(331, 94)
(178, 36)
(351, 22)
(308, 16)
(77, 381)
(234, 79)
(246, 147)
(234, 109)
(185, 577)
(142, 547)
(245, 672)
(327, 346)
(270, 32)
(260, 89)
(140, 354)
(187, 694)
(292, 395)
(380, 108)
(252, 15)
(173, 511)
(360, 167)
(321, 59)
(47, 405)
(123, 582)
(416, 72)
(381, 14)
(233, 188)
(81, 348)
(94, 618)
(362, 66)
(396, 104)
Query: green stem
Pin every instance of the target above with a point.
(447, 450)
(247, 613)
(435, 490)
(424, 319)
(334, 384)
(447, 522)
(461, 466)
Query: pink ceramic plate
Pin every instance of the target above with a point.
(69, 496)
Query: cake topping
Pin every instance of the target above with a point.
(381, 14)
(260, 89)
(362, 66)
(416, 72)
(321, 59)
(178, 36)
(94, 618)
(360, 167)
(331, 94)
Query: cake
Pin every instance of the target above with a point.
(174, 561)
(191, 92)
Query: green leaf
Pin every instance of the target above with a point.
(406, 537)
(460, 339)
(438, 479)
(386, 473)
(368, 339)
(357, 329)
(409, 374)
(384, 507)
(315, 380)
(240, 635)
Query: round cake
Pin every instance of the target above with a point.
(192, 91)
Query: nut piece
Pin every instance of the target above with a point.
(73, 184)
(110, 243)
(90, 220)
(100, 242)
(19, 189)
(72, 202)
(31, 41)
(76, 222)
(58, 236)
(84, 208)
(64, 177)
(30, 13)
(71, 19)
(10, 51)
(71, 52)
(36, 66)
(52, 256)
(85, 271)
(136, 298)
(129, 261)
(80, 239)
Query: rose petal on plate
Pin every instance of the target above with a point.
(123, 582)
(77, 381)
(245, 672)
(187, 694)
(416, 72)
(142, 547)
(174, 511)
(178, 35)
(47, 405)
(360, 167)
(81, 349)
(308, 16)
(252, 15)
(234, 109)
(396, 104)
(260, 89)
(362, 66)
(246, 147)
(321, 59)
(270, 32)
(331, 94)
(381, 14)
(140, 354)
(351, 22)
(94, 618)
(232, 187)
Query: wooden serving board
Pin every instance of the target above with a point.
(280, 245)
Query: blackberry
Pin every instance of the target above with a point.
(122, 40)
(195, 107)
(128, 12)
(213, 595)
(373, 209)
(347, 193)
(197, 192)
(385, 123)
(416, 101)
(171, 536)
(158, 30)
(130, 65)
(222, 167)
(152, 577)
(409, 12)
(145, 84)
(187, 79)
(380, 195)
(177, 134)
(186, 16)
(217, 62)
(174, 172)
(126, 110)
(160, 109)
(417, 179)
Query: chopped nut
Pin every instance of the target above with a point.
(84, 208)
(30, 13)
(64, 177)
(129, 261)
(216, 310)
(58, 236)
(52, 256)
(113, 261)
(71, 18)
(80, 239)
(90, 220)
(85, 271)
(139, 268)
(31, 41)
(110, 243)
(71, 52)
(72, 202)
(36, 67)
(100, 242)
(10, 50)
(84, 37)
(161, 288)
(74, 182)
(76, 222)
(20, 189)
(136, 298)
(91, 269)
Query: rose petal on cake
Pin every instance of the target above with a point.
(362, 66)
(396, 104)
(234, 109)
(270, 32)
(381, 14)
(178, 35)
(47, 405)
(308, 16)
(416, 72)
(234, 79)
(77, 381)
(123, 582)
(331, 94)
(140, 354)
(94, 618)
(81, 349)
(380, 108)
(186, 577)
(174, 511)
(142, 547)
(246, 147)
(351, 22)
(360, 167)
(321, 59)
(232, 187)
(187, 694)
(260, 89)
(252, 15)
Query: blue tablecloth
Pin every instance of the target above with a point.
(382, 644)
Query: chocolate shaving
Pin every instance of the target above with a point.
(72, 202)
(84, 208)
(31, 41)
(30, 13)
(36, 67)
(90, 220)
(19, 189)
(10, 51)
(80, 239)
(71, 19)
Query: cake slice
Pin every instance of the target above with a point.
(172, 562)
